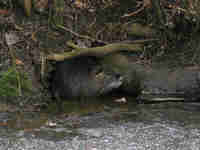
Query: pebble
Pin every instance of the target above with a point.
(97, 132)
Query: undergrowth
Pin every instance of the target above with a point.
(12, 82)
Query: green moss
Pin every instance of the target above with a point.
(12, 82)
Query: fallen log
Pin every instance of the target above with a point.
(99, 51)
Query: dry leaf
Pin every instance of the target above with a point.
(4, 12)
(18, 62)
(18, 27)
(11, 38)
(80, 4)
(33, 37)
(40, 5)
(3, 123)
(121, 100)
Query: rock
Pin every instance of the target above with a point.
(97, 132)
(179, 81)
(169, 84)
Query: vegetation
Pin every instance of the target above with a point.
(12, 82)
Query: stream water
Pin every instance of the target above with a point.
(104, 125)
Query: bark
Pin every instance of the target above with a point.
(100, 51)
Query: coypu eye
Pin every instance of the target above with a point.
(118, 76)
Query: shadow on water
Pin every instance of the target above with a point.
(91, 105)
(54, 114)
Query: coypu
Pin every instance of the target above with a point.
(83, 77)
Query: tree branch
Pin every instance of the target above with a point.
(95, 51)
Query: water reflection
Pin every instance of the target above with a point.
(97, 113)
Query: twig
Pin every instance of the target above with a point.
(146, 3)
(80, 36)
(139, 41)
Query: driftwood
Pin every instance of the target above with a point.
(95, 51)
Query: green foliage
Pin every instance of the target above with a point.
(56, 13)
(11, 81)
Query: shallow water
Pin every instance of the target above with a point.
(104, 125)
